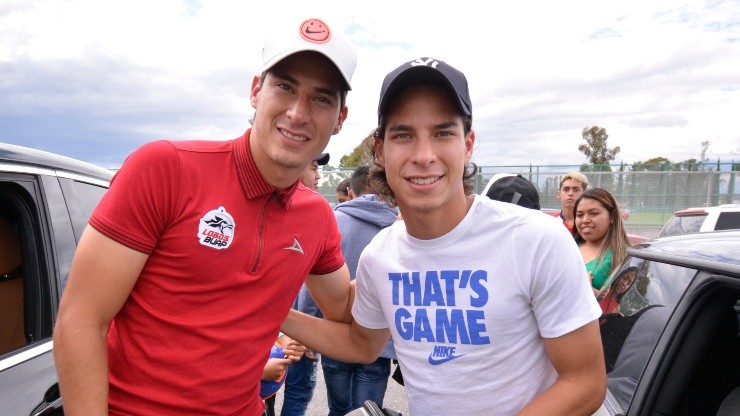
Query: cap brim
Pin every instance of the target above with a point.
(279, 57)
(323, 159)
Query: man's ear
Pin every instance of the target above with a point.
(378, 148)
(256, 87)
(469, 145)
(340, 120)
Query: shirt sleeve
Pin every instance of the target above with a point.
(561, 296)
(366, 308)
(141, 198)
(331, 258)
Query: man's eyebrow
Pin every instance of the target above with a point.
(328, 91)
(322, 90)
(447, 124)
(399, 127)
(285, 77)
(440, 126)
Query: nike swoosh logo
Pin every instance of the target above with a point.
(435, 361)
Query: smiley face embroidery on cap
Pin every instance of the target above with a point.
(315, 31)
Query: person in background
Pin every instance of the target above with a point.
(300, 381)
(273, 376)
(572, 185)
(343, 191)
(514, 189)
(600, 234)
(472, 290)
(310, 177)
(194, 256)
(349, 385)
(611, 298)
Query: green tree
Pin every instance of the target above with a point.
(690, 165)
(360, 155)
(659, 163)
(595, 148)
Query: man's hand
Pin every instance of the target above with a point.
(275, 368)
(294, 350)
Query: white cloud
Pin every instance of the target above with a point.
(660, 76)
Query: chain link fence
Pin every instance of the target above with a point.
(650, 196)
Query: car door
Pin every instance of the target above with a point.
(695, 363)
(42, 212)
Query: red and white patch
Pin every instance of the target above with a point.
(216, 229)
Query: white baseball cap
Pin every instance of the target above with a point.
(311, 35)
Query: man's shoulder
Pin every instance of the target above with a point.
(175, 148)
(308, 197)
(511, 212)
(386, 236)
(503, 215)
(203, 146)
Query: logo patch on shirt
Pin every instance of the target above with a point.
(295, 247)
(216, 229)
(442, 354)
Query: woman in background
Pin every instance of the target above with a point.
(599, 233)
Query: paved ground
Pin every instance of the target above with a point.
(395, 398)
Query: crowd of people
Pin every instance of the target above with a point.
(185, 298)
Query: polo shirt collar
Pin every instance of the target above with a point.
(251, 180)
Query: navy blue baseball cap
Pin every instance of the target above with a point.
(323, 158)
(514, 189)
(424, 71)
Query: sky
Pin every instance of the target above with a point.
(95, 79)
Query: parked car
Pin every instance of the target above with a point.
(45, 203)
(672, 344)
(702, 219)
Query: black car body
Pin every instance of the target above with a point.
(672, 345)
(45, 203)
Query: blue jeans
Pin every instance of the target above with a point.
(348, 385)
(299, 385)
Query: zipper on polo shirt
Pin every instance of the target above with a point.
(260, 244)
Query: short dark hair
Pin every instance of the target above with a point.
(359, 180)
(343, 186)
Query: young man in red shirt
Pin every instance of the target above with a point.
(195, 255)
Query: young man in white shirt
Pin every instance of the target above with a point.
(487, 302)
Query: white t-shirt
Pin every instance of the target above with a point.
(467, 310)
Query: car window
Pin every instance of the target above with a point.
(684, 224)
(81, 198)
(641, 294)
(728, 221)
(24, 290)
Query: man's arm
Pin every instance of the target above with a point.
(346, 342)
(333, 294)
(580, 388)
(101, 277)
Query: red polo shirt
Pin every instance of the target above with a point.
(227, 256)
